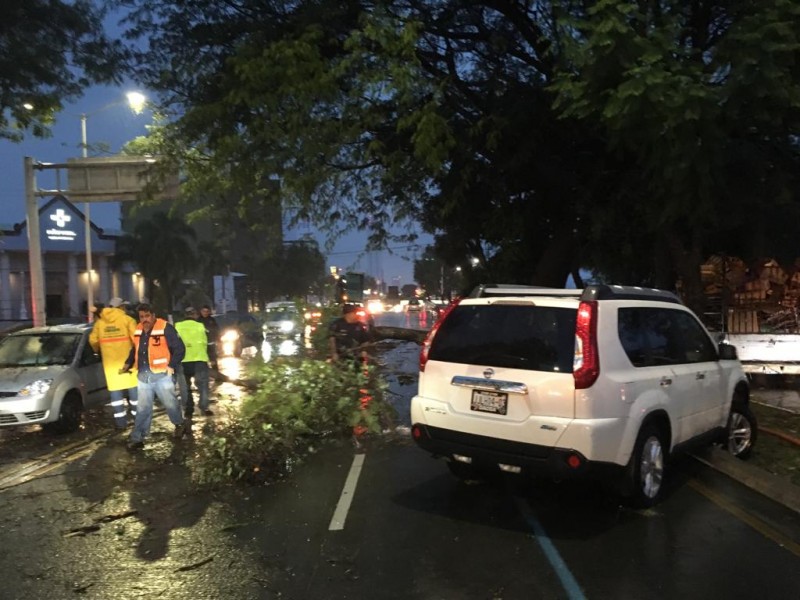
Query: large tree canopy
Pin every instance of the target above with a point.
(703, 101)
(50, 50)
(628, 136)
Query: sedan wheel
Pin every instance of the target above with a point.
(69, 416)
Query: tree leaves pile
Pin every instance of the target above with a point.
(296, 405)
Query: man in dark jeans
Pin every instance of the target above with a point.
(212, 332)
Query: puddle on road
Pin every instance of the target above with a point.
(399, 362)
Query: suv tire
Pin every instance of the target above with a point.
(647, 466)
(742, 430)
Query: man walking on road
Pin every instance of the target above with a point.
(112, 339)
(195, 363)
(212, 332)
(157, 353)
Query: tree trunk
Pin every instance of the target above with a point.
(555, 263)
(687, 259)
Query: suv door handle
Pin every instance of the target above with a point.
(665, 381)
(700, 376)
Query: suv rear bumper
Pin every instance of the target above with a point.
(532, 459)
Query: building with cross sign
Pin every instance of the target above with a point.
(62, 231)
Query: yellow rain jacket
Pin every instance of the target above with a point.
(112, 337)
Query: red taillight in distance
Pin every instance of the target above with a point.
(586, 364)
(426, 345)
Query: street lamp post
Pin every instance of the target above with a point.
(136, 102)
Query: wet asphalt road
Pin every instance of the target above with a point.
(82, 517)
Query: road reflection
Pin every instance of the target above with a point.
(420, 320)
(271, 348)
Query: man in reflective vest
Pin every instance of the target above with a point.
(112, 339)
(157, 353)
(195, 363)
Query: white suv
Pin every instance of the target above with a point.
(604, 382)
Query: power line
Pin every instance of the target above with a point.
(413, 247)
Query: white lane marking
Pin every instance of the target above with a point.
(348, 491)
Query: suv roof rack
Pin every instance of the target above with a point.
(627, 292)
(590, 292)
(513, 289)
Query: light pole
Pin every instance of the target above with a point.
(136, 102)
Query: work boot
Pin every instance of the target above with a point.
(135, 445)
(184, 429)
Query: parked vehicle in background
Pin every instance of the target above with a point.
(364, 315)
(236, 332)
(605, 383)
(312, 316)
(282, 319)
(49, 376)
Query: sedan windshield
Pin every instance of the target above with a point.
(38, 349)
(281, 315)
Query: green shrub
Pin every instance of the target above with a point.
(295, 403)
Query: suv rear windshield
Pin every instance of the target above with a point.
(536, 338)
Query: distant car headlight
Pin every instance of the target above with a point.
(231, 335)
(375, 306)
(37, 388)
(286, 326)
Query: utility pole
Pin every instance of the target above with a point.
(88, 234)
(34, 247)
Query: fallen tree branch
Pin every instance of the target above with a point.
(196, 565)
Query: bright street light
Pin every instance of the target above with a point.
(136, 102)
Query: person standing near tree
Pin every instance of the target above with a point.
(112, 339)
(157, 353)
(212, 332)
(195, 363)
(347, 334)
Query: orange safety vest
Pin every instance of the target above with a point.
(157, 350)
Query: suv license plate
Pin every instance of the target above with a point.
(490, 402)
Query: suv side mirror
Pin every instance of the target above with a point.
(727, 352)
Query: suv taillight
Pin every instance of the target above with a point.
(586, 364)
(426, 345)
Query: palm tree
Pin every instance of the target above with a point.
(162, 246)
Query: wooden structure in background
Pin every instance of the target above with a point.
(759, 298)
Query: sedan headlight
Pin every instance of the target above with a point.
(36, 388)
(286, 326)
(231, 335)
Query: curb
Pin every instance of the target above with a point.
(764, 483)
(779, 434)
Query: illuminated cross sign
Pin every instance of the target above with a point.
(61, 219)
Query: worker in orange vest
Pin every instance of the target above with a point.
(157, 354)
